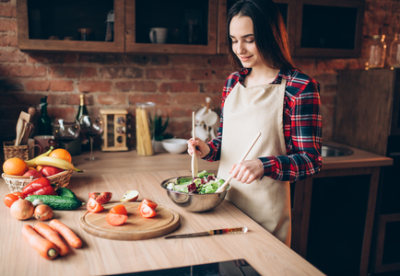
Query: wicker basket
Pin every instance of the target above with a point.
(17, 183)
(21, 151)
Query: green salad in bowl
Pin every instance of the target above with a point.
(204, 183)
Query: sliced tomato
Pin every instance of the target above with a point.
(116, 219)
(101, 197)
(93, 206)
(146, 211)
(119, 209)
(149, 203)
(10, 198)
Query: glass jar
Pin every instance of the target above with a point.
(394, 52)
(144, 130)
(376, 52)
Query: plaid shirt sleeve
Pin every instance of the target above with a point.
(302, 129)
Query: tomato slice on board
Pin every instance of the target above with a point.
(147, 212)
(10, 198)
(149, 203)
(93, 206)
(119, 209)
(116, 219)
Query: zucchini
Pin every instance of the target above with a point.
(57, 202)
(65, 192)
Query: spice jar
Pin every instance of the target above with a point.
(144, 130)
(394, 52)
(377, 52)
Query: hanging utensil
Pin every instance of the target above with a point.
(194, 156)
(224, 186)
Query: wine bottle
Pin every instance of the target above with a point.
(44, 122)
(82, 110)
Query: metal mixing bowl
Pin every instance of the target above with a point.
(194, 202)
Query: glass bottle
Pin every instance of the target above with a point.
(44, 122)
(377, 52)
(82, 109)
(394, 52)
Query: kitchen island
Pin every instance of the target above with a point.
(121, 171)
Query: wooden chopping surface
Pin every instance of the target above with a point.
(136, 227)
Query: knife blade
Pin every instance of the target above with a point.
(210, 233)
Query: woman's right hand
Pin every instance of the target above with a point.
(199, 146)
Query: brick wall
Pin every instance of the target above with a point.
(177, 83)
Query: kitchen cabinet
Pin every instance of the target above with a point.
(53, 25)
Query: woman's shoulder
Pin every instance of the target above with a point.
(297, 82)
(235, 77)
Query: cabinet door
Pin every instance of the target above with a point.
(190, 26)
(73, 25)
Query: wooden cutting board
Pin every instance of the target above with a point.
(136, 228)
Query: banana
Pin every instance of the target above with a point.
(55, 162)
(31, 162)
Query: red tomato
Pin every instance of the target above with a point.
(10, 198)
(102, 197)
(116, 219)
(149, 203)
(49, 170)
(146, 211)
(119, 209)
(93, 206)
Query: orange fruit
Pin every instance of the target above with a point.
(61, 154)
(15, 166)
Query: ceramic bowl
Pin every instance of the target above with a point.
(175, 145)
(194, 202)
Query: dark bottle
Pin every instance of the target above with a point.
(82, 110)
(44, 122)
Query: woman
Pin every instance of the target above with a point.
(270, 96)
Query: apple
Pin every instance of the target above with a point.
(32, 173)
(50, 170)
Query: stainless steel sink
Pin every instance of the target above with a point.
(332, 151)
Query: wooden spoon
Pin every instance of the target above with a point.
(194, 156)
(224, 186)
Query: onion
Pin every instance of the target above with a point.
(43, 212)
(22, 209)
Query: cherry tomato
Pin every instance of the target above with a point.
(102, 197)
(119, 209)
(147, 212)
(116, 219)
(93, 206)
(10, 198)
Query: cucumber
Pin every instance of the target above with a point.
(65, 192)
(57, 202)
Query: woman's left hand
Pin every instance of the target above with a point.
(247, 171)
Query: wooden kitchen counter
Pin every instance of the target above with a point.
(118, 172)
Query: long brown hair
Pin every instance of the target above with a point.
(269, 32)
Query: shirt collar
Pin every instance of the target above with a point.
(283, 74)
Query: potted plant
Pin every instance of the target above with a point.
(159, 127)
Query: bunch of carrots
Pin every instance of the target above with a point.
(51, 240)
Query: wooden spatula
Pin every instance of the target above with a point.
(194, 156)
(224, 186)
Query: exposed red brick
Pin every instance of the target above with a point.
(94, 86)
(112, 99)
(26, 71)
(159, 99)
(166, 73)
(8, 25)
(8, 11)
(61, 85)
(12, 56)
(179, 87)
(202, 74)
(136, 86)
(191, 99)
(37, 85)
(67, 113)
(7, 39)
(212, 87)
(76, 72)
(52, 58)
(120, 72)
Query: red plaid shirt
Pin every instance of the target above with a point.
(302, 127)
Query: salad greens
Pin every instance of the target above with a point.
(204, 183)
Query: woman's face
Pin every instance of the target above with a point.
(241, 32)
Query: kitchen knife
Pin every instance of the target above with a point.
(210, 233)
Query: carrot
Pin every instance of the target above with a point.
(46, 248)
(69, 236)
(49, 233)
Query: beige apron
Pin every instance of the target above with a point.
(247, 111)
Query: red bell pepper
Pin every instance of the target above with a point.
(40, 186)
